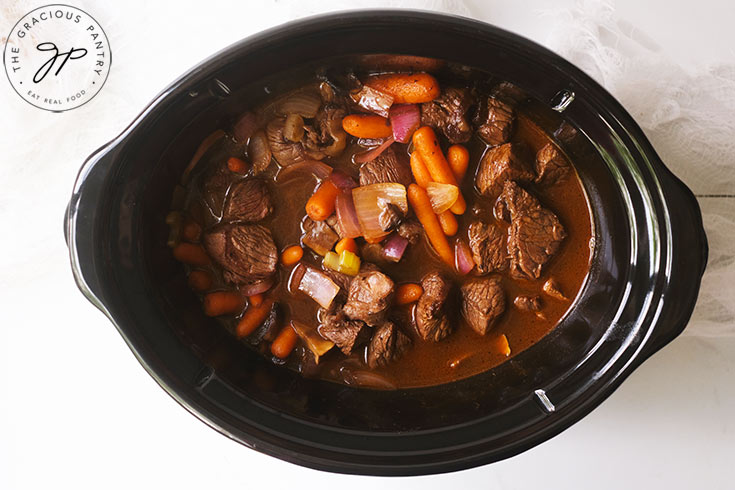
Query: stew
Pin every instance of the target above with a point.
(385, 228)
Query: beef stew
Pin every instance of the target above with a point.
(310, 235)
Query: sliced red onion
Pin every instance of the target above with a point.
(370, 155)
(366, 378)
(256, 287)
(404, 119)
(342, 180)
(394, 247)
(245, 127)
(347, 215)
(319, 169)
(463, 260)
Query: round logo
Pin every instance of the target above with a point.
(57, 57)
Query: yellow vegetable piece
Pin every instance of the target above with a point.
(331, 260)
(349, 263)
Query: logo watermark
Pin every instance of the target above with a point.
(57, 57)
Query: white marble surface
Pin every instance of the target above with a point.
(77, 410)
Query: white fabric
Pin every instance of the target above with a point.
(688, 113)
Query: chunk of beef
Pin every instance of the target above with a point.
(494, 121)
(483, 300)
(499, 165)
(448, 114)
(488, 245)
(246, 252)
(411, 230)
(431, 316)
(534, 235)
(387, 343)
(318, 236)
(551, 166)
(248, 201)
(389, 166)
(216, 182)
(390, 216)
(528, 303)
(345, 333)
(551, 288)
(509, 93)
(370, 295)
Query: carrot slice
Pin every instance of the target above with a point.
(253, 318)
(346, 244)
(369, 126)
(420, 172)
(237, 165)
(408, 293)
(200, 280)
(320, 205)
(223, 303)
(406, 88)
(285, 342)
(191, 254)
(292, 255)
(422, 207)
(427, 144)
(448, 223)
(459, 159)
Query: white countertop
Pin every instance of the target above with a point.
(78, 411)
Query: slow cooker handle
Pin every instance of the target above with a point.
(80, 222)
(688, 262)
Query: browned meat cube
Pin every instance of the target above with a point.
(214, 186)
(248, 201)
(371, 293)
(345, 333)
(498, 165)
(483, 300)
(318, 236)
(534, 235)
(388, 167)
(431, 317)
(387, 343)
(551, 288)
(247, 252)
(551, 166)
(494, 121)
(411, 230)
(448, 114)
(528, 303)
(488, 245)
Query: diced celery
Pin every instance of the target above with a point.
(349, 263)
(331, 260)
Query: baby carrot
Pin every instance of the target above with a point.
(253, 318)
(420, 173)
(284, 343)
(448, 223)
(237, 165)
(408, 293)
(422, 207)
(191, 231)
(346, 244)
(458, 158)
(320, 205)
(223, 303)
(369, 126)
(292, 255)
(200, 280)
(191, 254)
(256, 299)
(406, 88)
(427, 144)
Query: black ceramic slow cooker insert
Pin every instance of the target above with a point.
(649, 254)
